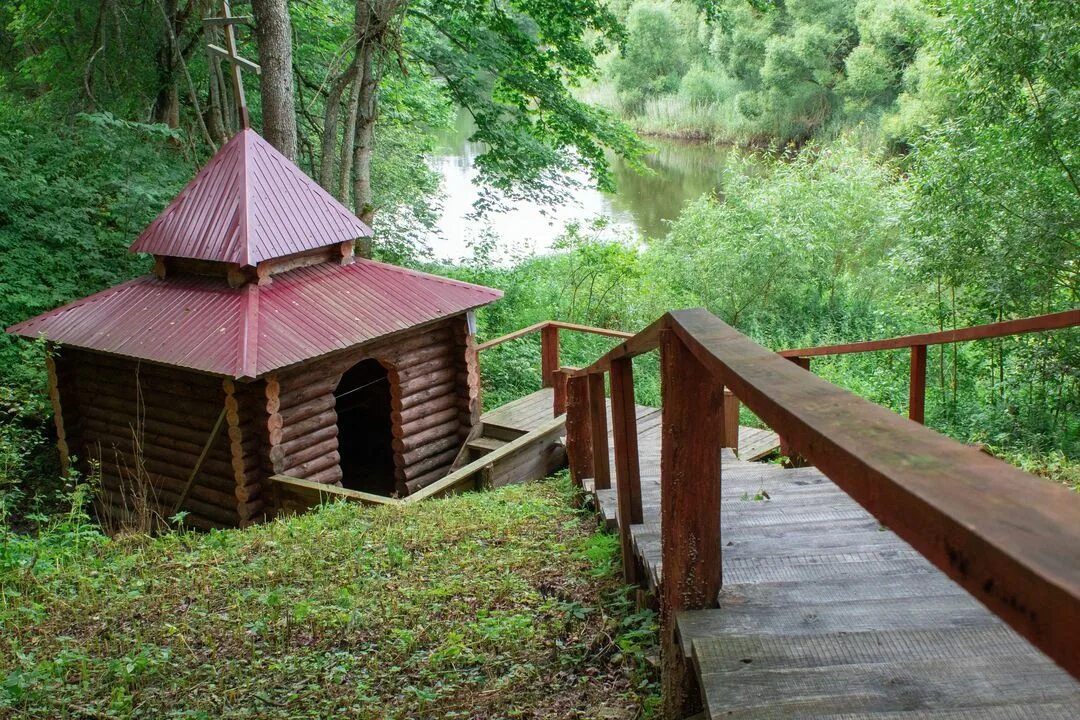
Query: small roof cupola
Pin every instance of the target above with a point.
(248, 213)
(254, 271)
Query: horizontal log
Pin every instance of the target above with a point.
(427, 381)
(431, 419)
(151, 431)
(426, 479)
(217, 462)
(314, 437)
(396, 346)
(329, 476)
(413, 399)
(327, 418)
(432, 435)
(164, 499)
(431, 448)
(426, 465)
(292, 396)
(314, 465)
(110, 435)
(305, 410)
(427, 368)
(411, 358)
(106, 366)
(125, 389)
(160, 468)
(124, 412)
(312, 452)
(162, 484)
(411, 415)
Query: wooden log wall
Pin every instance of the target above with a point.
(434, 398)
(146, 426)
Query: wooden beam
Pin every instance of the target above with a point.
(549, 354)
(466, 477)
(627, 471)
(1038, 323)
(578, 435)
(730, 414)
(242, 62)
(222, 21)
(917, 385)
(1010, 539)
(691, 439)
(558, 384)
(601, 465)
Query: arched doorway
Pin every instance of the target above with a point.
(362, 401)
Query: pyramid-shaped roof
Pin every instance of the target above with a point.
(248, 204)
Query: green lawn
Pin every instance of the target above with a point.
(488, 605)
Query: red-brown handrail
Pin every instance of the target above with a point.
(918, 344)
(1010, 539)
(549, 345)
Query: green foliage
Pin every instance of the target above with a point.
(801, 235)
(497, 604)
(654, 57)
(72, 199)
(771, 71)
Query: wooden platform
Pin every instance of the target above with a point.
(826, 614)
(530, 412)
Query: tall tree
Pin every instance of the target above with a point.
(273, 32)
(510, 65)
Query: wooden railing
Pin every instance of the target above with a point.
(918, 344)
(1010, 539)
(552, 373)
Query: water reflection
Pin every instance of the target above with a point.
(642, 204)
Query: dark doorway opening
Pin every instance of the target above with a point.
(362, 401)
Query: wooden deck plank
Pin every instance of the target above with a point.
(927, 684)
(807, 571)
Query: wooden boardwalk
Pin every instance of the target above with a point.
(824, 613)
(530, 412)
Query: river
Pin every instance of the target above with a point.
(641, 205)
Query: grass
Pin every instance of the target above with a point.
(501, 604)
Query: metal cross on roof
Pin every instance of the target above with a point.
(230, 55)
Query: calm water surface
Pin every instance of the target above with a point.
(681, 172)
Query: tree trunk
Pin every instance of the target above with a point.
(273, 32)
(328, 141)
(167, 101)
(367, 111)
(348, 141)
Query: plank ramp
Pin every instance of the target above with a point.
(826, 614)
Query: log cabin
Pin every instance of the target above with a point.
(260, 345)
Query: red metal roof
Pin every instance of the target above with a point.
(250, 203)
(202, 324)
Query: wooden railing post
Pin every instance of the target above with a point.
(731, 420)
(793, 457)
(692, 432)
(627, 473)
(601, 465)
(578, 436)
(549, 354)
(917, 385)
(558, 383)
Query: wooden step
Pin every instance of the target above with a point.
(501, 432)
(481, 446)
